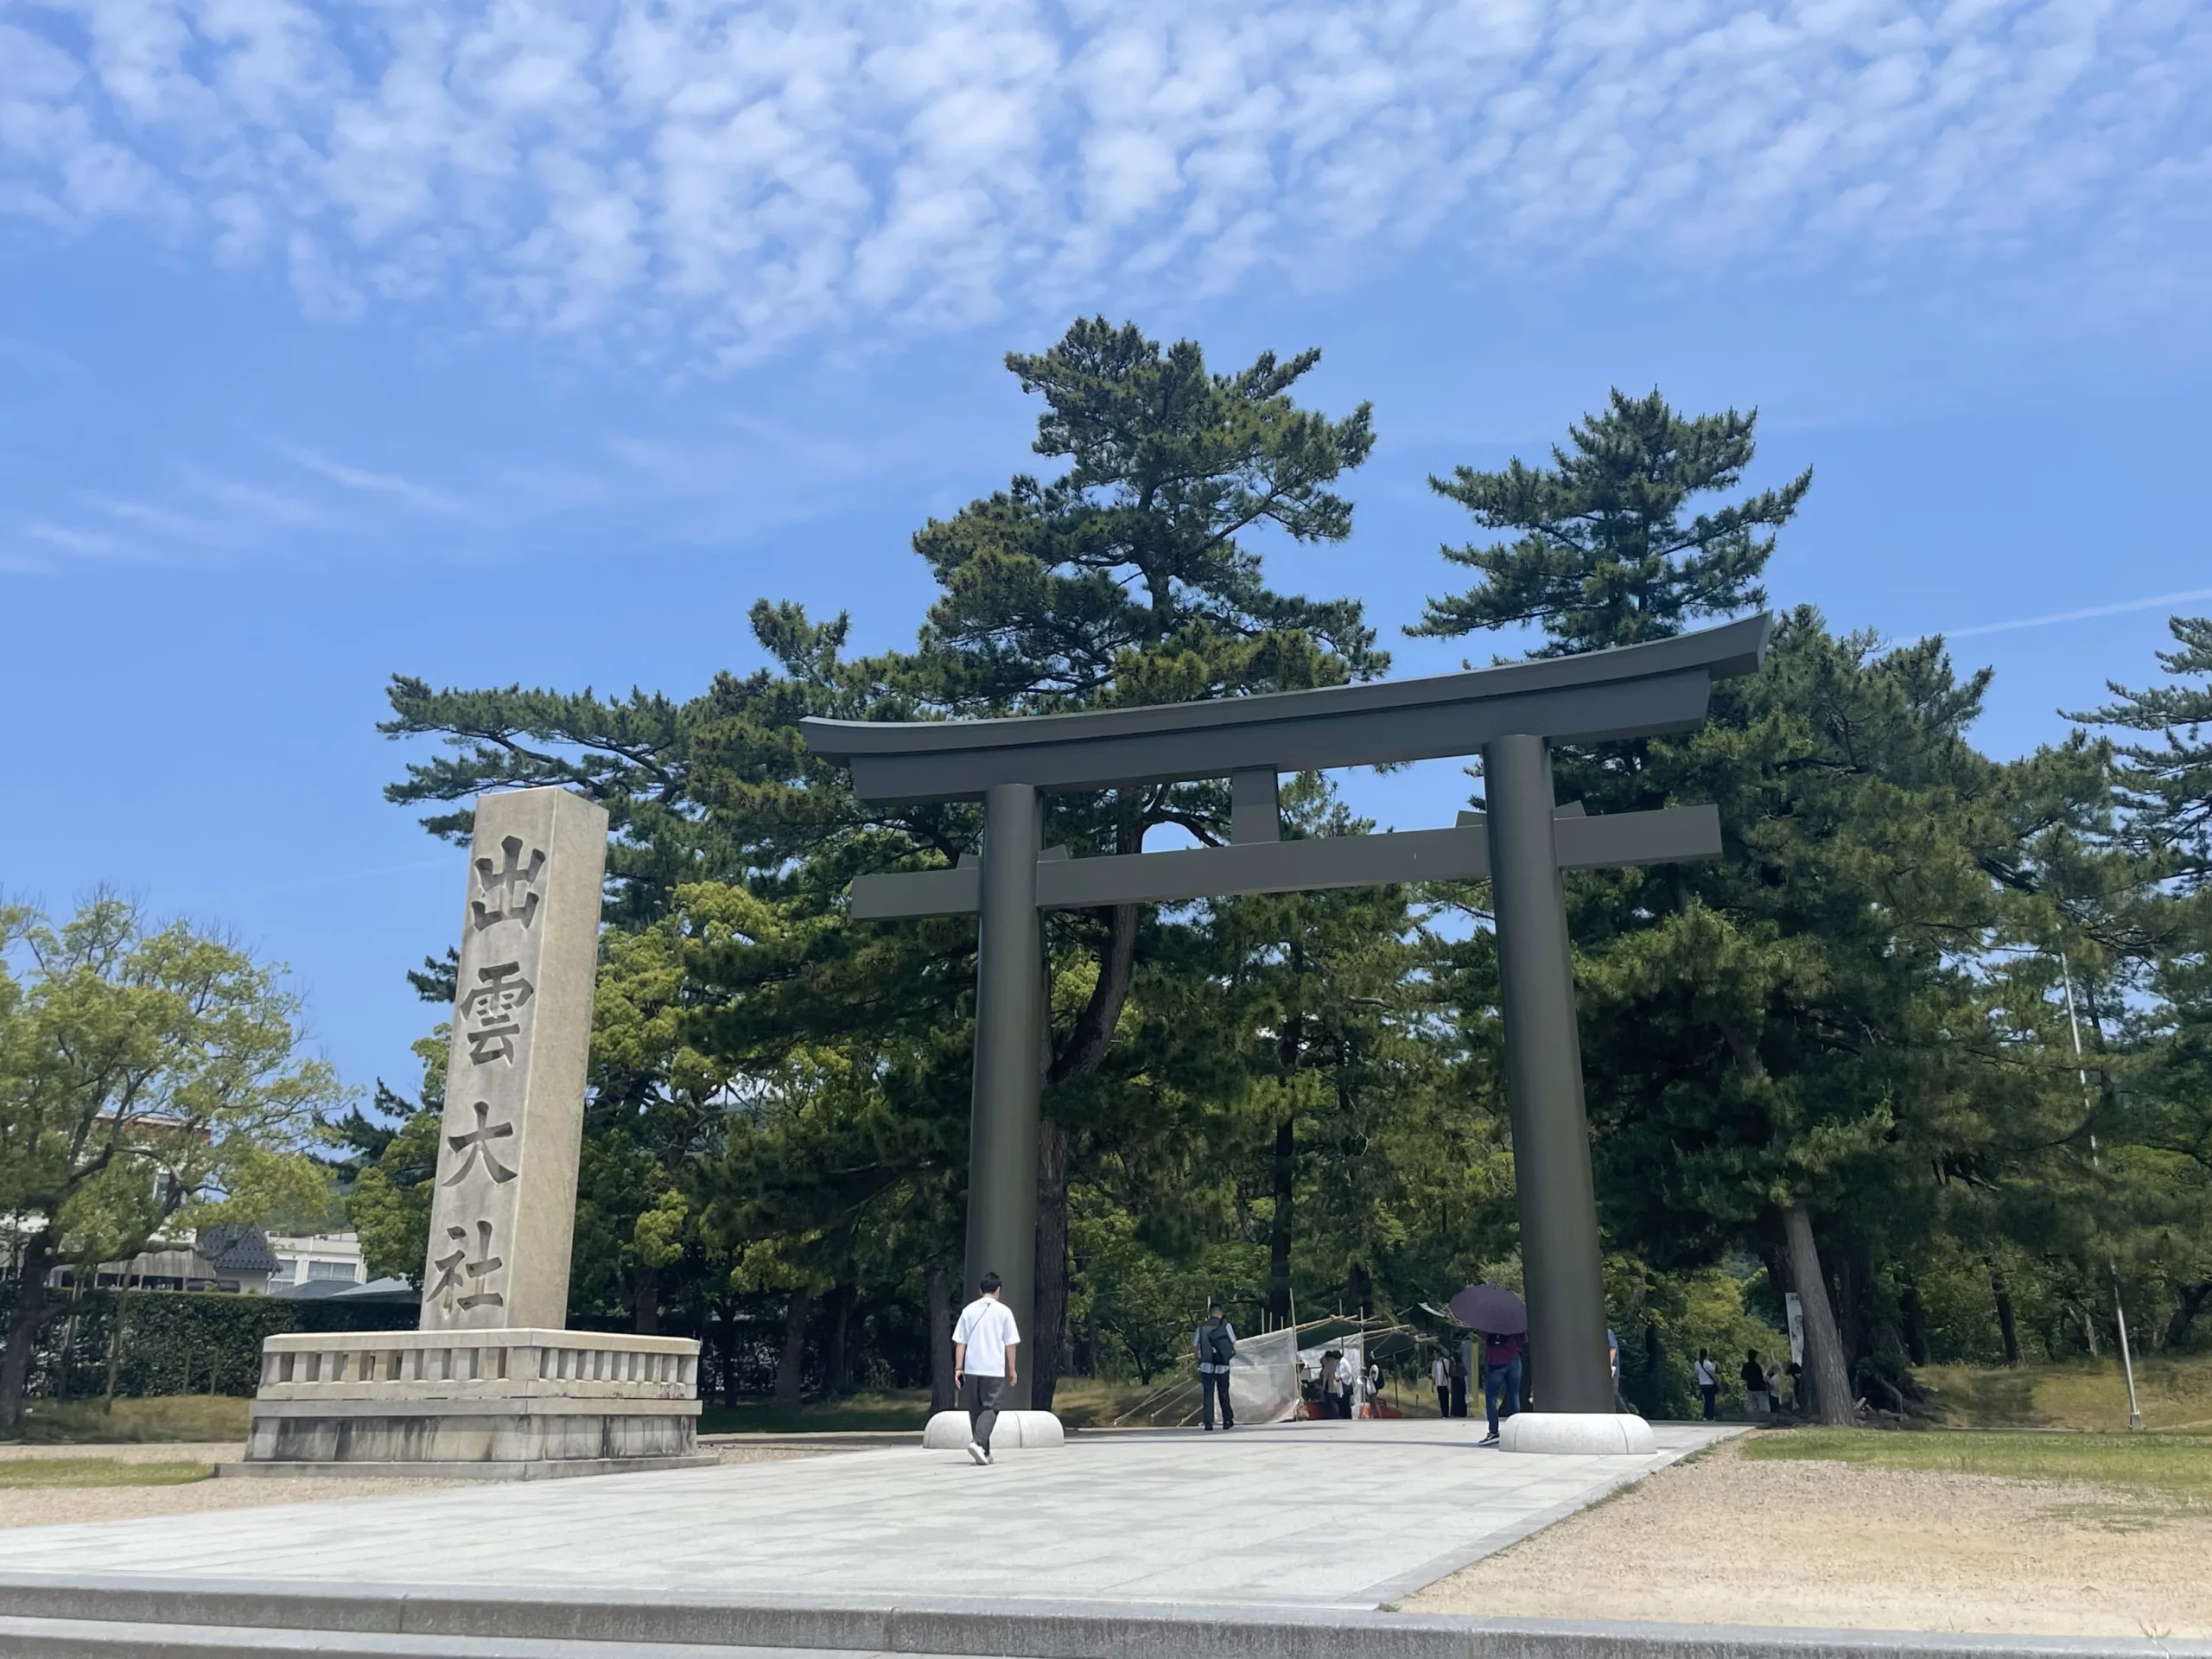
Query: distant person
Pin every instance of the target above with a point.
(1754, 1375)
(1708, 1384)
(1347, 1386)
(1440, 1373)
(1375, 1388)
(1773, 1390)
(1216, 1344)
(985, 1343)
(1795, 1373)
(1502, 1372)
(1459, 1380)
(1333, 1387)
(1613, 1360)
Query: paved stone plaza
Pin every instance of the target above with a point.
(1314, 1514)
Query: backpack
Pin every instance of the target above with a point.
(1221, 1347)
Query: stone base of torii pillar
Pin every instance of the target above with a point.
(1015, 1431)
(1577, 1434)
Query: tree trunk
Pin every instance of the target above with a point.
(788, 1368)
(2185, 1312)
(23, 1328)
(1832, 1398)
(645, 1301)
(1915, 1323)
(839, 1313)
(1041, 1351)
(1285, 1173)
(2006, 1328)
(940, 1303)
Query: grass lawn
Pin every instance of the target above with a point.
(2175, 1394)
(97, 1472)
(890, 1412)
(2168, 1465)
(165, 1417)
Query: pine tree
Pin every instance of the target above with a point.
(1604, 557)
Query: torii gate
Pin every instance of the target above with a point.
(1509, 716)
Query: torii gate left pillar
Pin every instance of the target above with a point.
(1009, 1063)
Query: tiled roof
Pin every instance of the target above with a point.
(238, 1249)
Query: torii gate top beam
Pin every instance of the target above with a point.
(1631, 692)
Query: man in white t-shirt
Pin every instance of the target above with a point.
(984, 1345)
(1440, 1373)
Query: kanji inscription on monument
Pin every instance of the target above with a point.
(502, 1221)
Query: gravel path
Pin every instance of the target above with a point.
(1723, 1540)
(58, 1506)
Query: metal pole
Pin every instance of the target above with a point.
(2119, 1311)
(1002, 1121)
(1559, 1258)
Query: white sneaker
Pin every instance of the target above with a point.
(977, 1455)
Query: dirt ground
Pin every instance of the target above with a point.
(55, 1506)
(1724, 1539)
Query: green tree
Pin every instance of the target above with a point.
(148, 1075)
(1131, 579)
(1603, 556)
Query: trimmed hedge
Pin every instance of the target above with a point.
(178, 1341)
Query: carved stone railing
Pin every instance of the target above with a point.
(516, 1403)
(406, 1365)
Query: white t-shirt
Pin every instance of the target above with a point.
(986, 1330)
(1442, 1372)
(1707, 1376)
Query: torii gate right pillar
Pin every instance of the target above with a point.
(1560, 1251)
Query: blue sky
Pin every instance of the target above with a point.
(532, 341)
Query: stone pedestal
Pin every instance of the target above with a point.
(502, 1405)
(1015, 1431)
(1577, 1434)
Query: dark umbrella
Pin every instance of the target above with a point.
(1491, 1309)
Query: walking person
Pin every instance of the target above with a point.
(1333, 1387)
(1440, 1373)
(1460, 1360)
(1754, 1375)
(1216, 1344)
(1708, 1384)
(1502, 1370)
(985, 1348)
(1347, 1385)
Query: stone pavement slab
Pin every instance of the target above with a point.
(1334, 1514)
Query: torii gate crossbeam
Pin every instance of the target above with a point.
(1511, 716)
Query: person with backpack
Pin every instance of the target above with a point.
(1215, 1343)
(1708, 1383)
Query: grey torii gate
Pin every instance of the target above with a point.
(1509, 716)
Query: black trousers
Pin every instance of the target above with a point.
(1210, 1384)
(978, 1398)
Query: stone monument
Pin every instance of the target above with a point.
(491, 1384)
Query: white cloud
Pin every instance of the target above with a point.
(418, 496)
(723, 179)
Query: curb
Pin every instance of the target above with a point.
(1036, 1629)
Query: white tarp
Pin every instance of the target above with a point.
(1263, 1378)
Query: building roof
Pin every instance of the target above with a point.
(238, 1249)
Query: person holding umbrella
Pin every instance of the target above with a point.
(1500, 1319)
